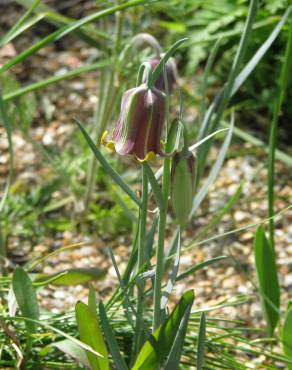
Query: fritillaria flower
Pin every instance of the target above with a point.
(171, 74)
(139, 127)
(182, 185)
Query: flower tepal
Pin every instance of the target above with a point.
(171, 74)
(139, 127)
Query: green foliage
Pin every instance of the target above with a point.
(267, 278)
(71, 277)
(90, 333)
(158, 347)
(287, 334)
(113, 210)
(201, 343)
(25, 297)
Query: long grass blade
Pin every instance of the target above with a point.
(201, 343)
(225, 93)
(111, 340)
(8, 128)
(215, 170)
(52, 80)
(200, 266)
(65, 30)
(21, 25)
(284, 77)
(280, 155)
(172, 276)
(287, 334)
(106, 166)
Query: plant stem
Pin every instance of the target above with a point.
(159, 270)
(141, 260)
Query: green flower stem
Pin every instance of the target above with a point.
(141, 260)
(159, 270)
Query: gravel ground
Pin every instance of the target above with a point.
(52, 127)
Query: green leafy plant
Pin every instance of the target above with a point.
(139, 327)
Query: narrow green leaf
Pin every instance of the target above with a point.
(283, 81)
(106, 166)
(164, 335)
(201, 343)
(166, 56)
(91, 335)
(224, 96)
(65, 30)
(200, 266)
(158, 173)
(53, 79)
(25, 297)
(267, 278)
(250, 66)
(214, 171)
(280, 155)
(207, 71)
(20, 26)
(172, 276)
(111, 340)
(221, 213)
(287, 334)
(8, 128)
(72, 277)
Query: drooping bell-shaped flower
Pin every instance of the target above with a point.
(182, 186)
(139, 127)
(170, 74)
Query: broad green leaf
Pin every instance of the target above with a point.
(267, 278)
(148, 358)
(25, 297)
(111, 340)
(287, 334)
(173, 360)
(73, 350)
(72, 277)
(201, 343)
(90, 334)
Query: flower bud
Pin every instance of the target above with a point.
(182, 187)
(139, 127)
(171, 74)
